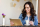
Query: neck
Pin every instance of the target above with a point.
(28, 14)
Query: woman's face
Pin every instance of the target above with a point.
(27, 8)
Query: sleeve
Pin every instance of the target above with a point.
(35, 21)
(20, 17)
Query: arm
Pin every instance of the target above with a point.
(35, 21)
(20, 17)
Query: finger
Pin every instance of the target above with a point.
(30, 22)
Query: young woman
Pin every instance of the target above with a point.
(28, 13)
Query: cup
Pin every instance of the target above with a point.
(27, 22)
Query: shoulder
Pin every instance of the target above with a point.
(21, 13)
(35, 17)
(20, 16)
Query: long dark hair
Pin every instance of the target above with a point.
(32, 11)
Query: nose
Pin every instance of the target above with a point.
(26, 8)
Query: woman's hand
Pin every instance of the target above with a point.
(31, 22)
(11, 23)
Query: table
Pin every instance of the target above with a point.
(20, 26)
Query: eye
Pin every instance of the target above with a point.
(27, 7)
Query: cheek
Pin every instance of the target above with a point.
(26, 10)
(29, 10)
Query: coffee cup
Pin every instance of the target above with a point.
(27, 22)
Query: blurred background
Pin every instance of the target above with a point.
(13, 8)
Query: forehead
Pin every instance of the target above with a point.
(26, 5)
